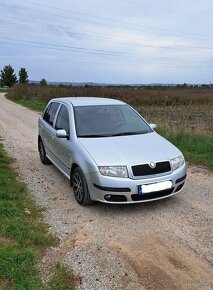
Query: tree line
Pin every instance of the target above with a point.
(8, 77)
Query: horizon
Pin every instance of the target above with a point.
(118, 84)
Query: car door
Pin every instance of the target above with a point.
(48, 131)
(62, 146)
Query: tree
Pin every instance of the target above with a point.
(23, 76)
(7, 76)
(43, 83)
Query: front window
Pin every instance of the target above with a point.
(108, 121)
(62, 121)
(50, 112)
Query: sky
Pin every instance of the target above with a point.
(109, 41)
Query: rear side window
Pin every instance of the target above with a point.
(62, 121)
(50, 112)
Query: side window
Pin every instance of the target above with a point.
(50, 112)
(62, 121)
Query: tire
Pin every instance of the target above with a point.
(42, 153)
(80, 187)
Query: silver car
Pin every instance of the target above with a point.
(108, 151)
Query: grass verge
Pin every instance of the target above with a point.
(4, 90)
(23, 235)
(197, 147)
(32, 104)
(62, 279)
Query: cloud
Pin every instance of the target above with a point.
(109, 40)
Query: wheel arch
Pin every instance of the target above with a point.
(74, 165)
(39, 139)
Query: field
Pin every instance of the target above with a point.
(183, 115)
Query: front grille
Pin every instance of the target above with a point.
(152, 195)
(145, 169)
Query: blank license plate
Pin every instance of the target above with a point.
(147, 188)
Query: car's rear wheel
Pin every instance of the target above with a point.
(80, 187)
(42, 153)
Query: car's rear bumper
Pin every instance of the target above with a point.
(125, 190)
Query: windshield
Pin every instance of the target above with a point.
(108, 121)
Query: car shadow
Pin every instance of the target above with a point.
(170, 203)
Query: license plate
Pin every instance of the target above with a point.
(147, 188)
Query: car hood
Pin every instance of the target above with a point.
(124, 150)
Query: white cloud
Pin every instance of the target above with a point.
(109, 40)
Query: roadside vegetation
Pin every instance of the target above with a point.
(23, 236)
(196, 146)
(62, 279)
(32, 104)
(183, 114)
(3, 90)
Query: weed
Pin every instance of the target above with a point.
(62, 279)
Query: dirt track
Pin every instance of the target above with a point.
(160, 245)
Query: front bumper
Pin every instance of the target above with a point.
(125, 190)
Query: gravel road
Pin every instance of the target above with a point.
(161, 245)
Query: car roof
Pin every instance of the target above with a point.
(89, 101)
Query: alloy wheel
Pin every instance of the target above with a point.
(78, 186)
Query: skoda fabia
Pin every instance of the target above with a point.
(108, 151)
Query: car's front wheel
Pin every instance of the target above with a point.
(80, 187)
(42, 153)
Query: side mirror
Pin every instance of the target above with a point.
(61, 134)
(153, 126)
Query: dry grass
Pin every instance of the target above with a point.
(141, 96)
(184, 115)
(186, 108)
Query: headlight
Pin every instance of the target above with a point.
(177, 162)
(114, 171)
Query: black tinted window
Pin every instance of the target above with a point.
(108, 120)
(50, 112)
(62, 121)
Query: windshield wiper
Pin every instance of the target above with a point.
(113, 134)
(93, 136)
(130, 133)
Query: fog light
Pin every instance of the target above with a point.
(108, 197)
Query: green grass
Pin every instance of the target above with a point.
(32, 104)
(4, 90)
(62, 279)
(23, 235)
(197, 147)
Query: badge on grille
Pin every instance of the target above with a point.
(152, 165)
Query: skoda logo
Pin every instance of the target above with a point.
(152, 165)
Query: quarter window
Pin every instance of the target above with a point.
(50, 112)
(62, 121)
